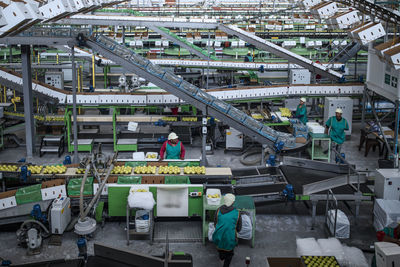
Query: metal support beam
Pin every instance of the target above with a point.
(396, 135)
(313, 213)
(74, 112)
(378, 121)
(363, 107)
(281, 52)
(28, 100)
(204, 141)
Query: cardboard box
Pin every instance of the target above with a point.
(301, 140)
(284, 262)
(53, 188)
(7, 199)
(153, 179)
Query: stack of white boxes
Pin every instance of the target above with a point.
(324, 10)
(315, 127)
(387, 254)
(367, 32)
(343, 20)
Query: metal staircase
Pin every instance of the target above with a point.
(348, 52)
(209, 104)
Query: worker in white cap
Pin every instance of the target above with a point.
(301, 111)
(248, 57)
(336, 125)
(172, 148)
(228, 223)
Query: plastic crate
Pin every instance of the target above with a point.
(172, 78)
(129, 180)
(204, 97)
(74, 187)
(237, 114)
(177, 180)
(29, 194)
(269, 132)
(135, 163)
(213, 201)
(221, 105)
(254, 124)
(138, 60)
(155, 70)
(189, 87)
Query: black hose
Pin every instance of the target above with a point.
(250, 162)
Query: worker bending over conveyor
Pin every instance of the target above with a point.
(172, 148)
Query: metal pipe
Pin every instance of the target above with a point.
(74, 113)
(396, 136)
(28, 100)
(81, 211)
(96, 197)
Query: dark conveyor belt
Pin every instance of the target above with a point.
(189, 93)
(298, 176)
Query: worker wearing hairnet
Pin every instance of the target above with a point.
(172, 148)
(227, 223)
(301, 111)
(336, 125)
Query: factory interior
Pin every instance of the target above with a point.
(155, 133)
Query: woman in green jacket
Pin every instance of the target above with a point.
(227, 223)
(301, 111)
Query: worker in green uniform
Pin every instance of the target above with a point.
(301, 111)
(172, 148)
(227, 223)
(336, 125)
(248, 58)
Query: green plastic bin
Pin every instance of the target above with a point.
(177, 180)
(184, 163)
(74, 187)
(134, 164)
(129, 180)
(29, 194)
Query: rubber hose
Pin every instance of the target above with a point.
(71, 225)
(250, 162)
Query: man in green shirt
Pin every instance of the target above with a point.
(301, 111)
(336, 125)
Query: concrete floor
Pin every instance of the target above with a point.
(278, 224)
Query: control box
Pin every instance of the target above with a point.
(344, 103)
(387, 184)
(299, 76)
(387, 254)
(60, 214)
(55, 79)
(234, 139)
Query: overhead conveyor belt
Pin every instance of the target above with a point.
(209, 104)
(14, 80)
(183, 43)
(370, 7)
(279, 51)
(142, 21)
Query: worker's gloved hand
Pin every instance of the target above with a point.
(182, 158)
